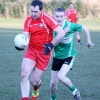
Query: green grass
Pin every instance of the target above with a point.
(92, 24)
(85, 74)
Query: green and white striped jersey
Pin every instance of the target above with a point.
(66, 46)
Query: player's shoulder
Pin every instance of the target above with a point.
(48, 17)
(70, 24)
(45, 15)
(75, 25)
(28, 18)
(66, 23)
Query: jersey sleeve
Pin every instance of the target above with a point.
(26, 24)
(50, 22)
(77, 27)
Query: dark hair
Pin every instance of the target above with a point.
(59, 10)
(70, 3)
(37, 3)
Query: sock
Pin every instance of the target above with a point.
(72, 88)
(74, 92)
(25, 98)
(37, 87)
(53, 97)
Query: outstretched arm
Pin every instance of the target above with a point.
(89, 42)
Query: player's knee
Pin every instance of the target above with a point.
(34, 81)
(61, 77)
(24, 75)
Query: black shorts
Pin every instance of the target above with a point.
(57, 63)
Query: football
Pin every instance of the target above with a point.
(21, 41)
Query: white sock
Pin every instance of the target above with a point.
(74, 92)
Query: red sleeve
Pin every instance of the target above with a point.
(50, 22)
(26, 24)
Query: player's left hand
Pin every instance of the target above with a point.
(90, 45)
(48, 48)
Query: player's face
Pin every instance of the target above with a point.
(71, 6)
(35, 12)
(59, 17)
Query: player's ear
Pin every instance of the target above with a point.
(42, 9)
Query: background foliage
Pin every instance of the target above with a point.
(20, 8)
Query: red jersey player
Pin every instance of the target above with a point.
(71, 15)
(39, 26)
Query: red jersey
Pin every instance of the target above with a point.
(72, 15)
(41, 30)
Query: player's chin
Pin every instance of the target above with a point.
(59, 22)
(34, 17)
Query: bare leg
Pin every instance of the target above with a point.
(53, 83)
(62, 75)
(36, 82)
(36, 76)
(26, 69)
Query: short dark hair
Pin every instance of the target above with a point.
(59, 10)
(37, 3)
(70, 3)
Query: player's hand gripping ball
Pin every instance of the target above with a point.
(21, 41)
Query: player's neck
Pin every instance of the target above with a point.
(62, 23)
(71, 8)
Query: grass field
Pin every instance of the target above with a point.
(85, 74)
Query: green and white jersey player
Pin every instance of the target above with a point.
(66, 48)
(64, 54)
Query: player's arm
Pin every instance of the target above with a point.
(60, 34)
(26, 26)
(26, 33)
(89, 42)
